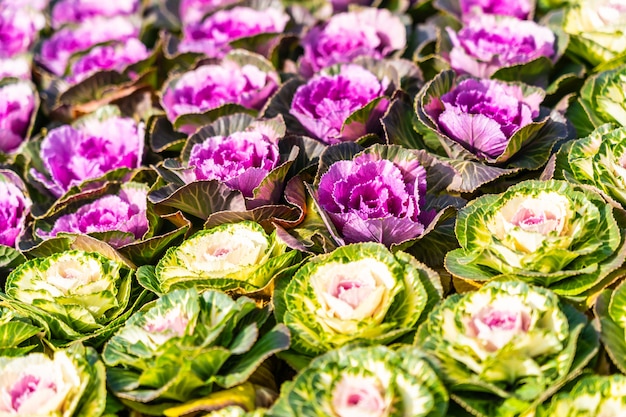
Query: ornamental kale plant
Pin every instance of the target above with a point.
(68, 383)
(360, 292)
(17, 108)
(368, 32)
(549, 233)
(488, 43)
(212, 35)
(124, 213)
(88, 150)
(237, 257)
(326, 102)
(507, 346)
(185, 345)
(371, 381)
(74, 295)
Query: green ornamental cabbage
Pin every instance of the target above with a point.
(68, 383)
(610, 311)
(17, 334)
(374, 381)
(598, 160)
(359, 292)
(506, 347)
(238, 257)
(592, 396)
(185, 346)
(548, 233)
(74, 295)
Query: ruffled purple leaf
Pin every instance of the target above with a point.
(56, 51)
(17, 107)
(124, 212)
(14, 208)
(211, 86)
(368, 32)
(193, 11)
(324, 104)
(77, 11)
(19, 28)
(15, 67)
(115, 57)
(487, 43)
(213, 35)
(369, 198)
(72, 155)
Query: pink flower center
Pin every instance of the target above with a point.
(351, 292)
(541, 222)
(24, 388)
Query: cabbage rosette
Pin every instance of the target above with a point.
(596, 30)
(592, 395)
(485, 129)
(598, 160)
(239, 257)
(67, 383)
(548, 233)
(185, 346)
(602, 99)
(73, 295)
(15, 205)
(359, 292)
(374, 381)
(506, 347)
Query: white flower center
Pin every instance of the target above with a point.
(526, 222)
(162, 328)
(354, 290)
(69, 272)
(356, 396)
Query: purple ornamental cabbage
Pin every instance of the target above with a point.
(241, 160)
(125, 212)
(213, 35)
(324, 103)
(516, 8)
(108, 57)
(18, 30)
(77, 11)
(370, 199)
(211, 86)
(72, 155)
(487, 43)
(56, 51)
(14, 207)
(482, 115)
(366, 32)
(17, 103)
(193, 11)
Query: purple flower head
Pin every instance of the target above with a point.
(18, 30)
(17, 67)
(193, 11)
(56, 51)
(367, 32)
(487, 43)
(77, 11)
(212, 86)
(72, 155)
(108, 57)
(324, 103)
(516, 8)
(241, 160)
(14, 207)
(213, 35)
(370, 199)
(125, 212)
(482, 115)
(17, 103)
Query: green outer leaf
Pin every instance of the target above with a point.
(609, 310)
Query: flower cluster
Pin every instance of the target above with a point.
(279, 208)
